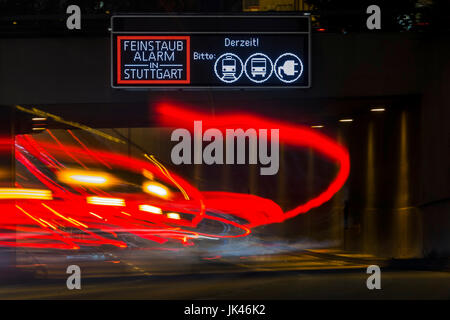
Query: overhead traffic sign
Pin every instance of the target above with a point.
(190, 51)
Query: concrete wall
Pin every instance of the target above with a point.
(435, 149)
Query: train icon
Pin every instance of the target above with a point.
(229, 68)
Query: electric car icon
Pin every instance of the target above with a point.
(288, 68)
(259, 67)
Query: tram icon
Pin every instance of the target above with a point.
(229, 68)
(258, 67)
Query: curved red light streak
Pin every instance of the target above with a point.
(290, 134)
(37, 226)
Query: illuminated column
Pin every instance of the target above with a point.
(337, 222)
(310, 187)
(402, 214)
(402, 198)
(369, 218)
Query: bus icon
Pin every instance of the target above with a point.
(258, 67)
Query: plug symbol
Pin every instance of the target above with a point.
(288, 68)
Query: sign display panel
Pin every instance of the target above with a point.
(215, 58)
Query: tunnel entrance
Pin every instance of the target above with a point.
(376, 212)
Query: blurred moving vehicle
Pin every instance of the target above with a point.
(67, 196)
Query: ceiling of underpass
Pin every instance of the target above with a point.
(306, 111)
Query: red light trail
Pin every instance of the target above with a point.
(68, 218)
(289, 134)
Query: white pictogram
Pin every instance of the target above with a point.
(258, 67)
(288, 67)
(228, 67)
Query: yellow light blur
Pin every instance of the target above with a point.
(29, 215)
(167, 174)
(149, 208)
(345, 120)
(16, 193)
(73, 221)
(104, 201)
(377, 109)
(156, 189)
(317, 126)
(148, 174)
(85, 177)
(96, 215)
(88, 179)
(48, 223)
(173, 215)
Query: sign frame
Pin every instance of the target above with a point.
(113, 33)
